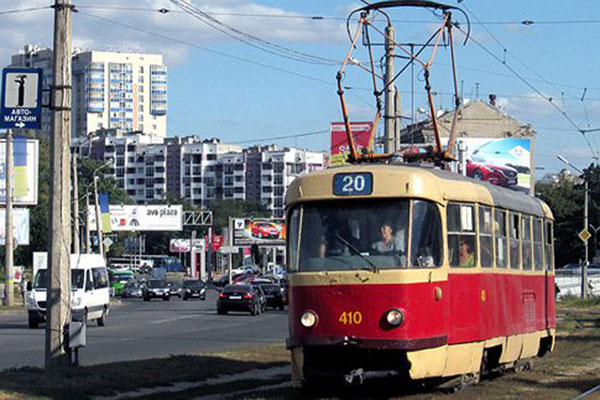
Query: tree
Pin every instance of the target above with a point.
(223, 209)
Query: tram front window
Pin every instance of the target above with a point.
(350, 235)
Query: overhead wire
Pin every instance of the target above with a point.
(20, 10)
(292, 136)
(249, 39)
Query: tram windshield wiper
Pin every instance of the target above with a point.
(358, 253)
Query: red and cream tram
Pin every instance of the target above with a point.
(414, 272)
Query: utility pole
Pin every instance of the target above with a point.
(98, 218)
(586, 262)
(9, 287)
(59, 268)
(88, 245)
(76, 242)
(389, 116)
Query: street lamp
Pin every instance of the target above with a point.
(98, 218)
(584, 270)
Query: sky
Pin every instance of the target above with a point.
(275, 83)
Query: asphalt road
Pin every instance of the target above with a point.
(138, 330)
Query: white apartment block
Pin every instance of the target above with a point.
(150, 167)
(279, 168)
(119, 90)
(111, 90)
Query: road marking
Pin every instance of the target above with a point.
(163, 321)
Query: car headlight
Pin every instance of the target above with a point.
(76, 302)
(394, 317)
(308, 319)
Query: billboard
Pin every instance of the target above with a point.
(142, 218)
(20, 226)
(260, 231)
(339, 141)
(502, 162)
(25, 171)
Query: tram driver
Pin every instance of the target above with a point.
(389, 243)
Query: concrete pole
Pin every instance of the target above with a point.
(98, 218)
(9, 287)
(88, 245)
(59, 269)
(229, 256)
(390, 108)
(76, 241)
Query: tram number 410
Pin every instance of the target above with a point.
(351, 318)
(352, 184)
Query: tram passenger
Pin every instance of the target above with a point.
(466, 257)
(389, 242)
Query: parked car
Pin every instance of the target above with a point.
(274, 293)
(156, 289)
(494, 174)
(241, 298)
(264, 230)
(132, 289)
(193, 288)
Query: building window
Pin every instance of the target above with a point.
(141, 108)
(141, 88)
(141, 79)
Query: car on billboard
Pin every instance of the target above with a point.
(512, 153)
(494, 174)
(264, 230)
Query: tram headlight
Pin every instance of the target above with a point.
(394, 317)
(308, 319)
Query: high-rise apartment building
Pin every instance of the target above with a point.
(111, 90)
(119, 90)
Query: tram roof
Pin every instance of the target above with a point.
(417, 182)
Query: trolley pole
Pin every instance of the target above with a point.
(9, 287)
(59, 286)
(389, 116)
(586, 262)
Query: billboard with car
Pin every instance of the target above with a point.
(260, 231)
(502, 162)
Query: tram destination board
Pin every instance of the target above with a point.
(353, 184)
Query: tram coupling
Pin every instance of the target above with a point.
(358, 376)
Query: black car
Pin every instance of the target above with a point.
(193, 288)
(241, 298)
(274, 293)
(156, 289)
(132, 289)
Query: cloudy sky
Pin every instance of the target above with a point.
(246, 71)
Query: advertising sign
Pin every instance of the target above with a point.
(25, 171)
(179, 246)
(502, 162)
(262, 232)
(361, 132)
(20, 226)
(21, 106)
(142, 218)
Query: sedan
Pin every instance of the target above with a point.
(132, 289)
(241, 298)
(274, 293)
(193, 288)
(156, 289)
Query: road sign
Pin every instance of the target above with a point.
(584, 235)
(107, 242)
(21, 106)
(229, 249)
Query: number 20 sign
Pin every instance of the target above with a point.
(352, 184)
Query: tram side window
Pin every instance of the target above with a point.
(514, 240)
(485, 237)
(538, 261)
(501, 253)
(426, 235)
(526, 229)
(461, 235)
(548, 242)
(293, 230)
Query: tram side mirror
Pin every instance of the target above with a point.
(29, 287)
